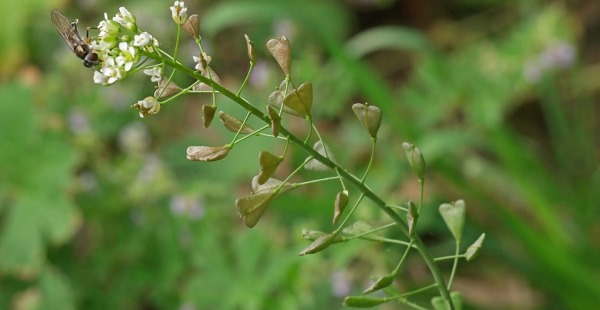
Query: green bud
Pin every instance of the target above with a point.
(411, 218)
(315, 234)
(363, 301)
(341, 201)
(251, 49)
(207, 153)
(416, 160)
(319, 245)
(473, 250)
(312, 234)
(454, 216)
(380, 283)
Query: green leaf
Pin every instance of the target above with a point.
(36, 167)
(363, 301)
(300, 100)
(268, 165)
(454, 216)
(382, 282)
(388, 37)
(251, 208)
(56, 292)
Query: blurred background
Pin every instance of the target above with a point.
(99, 209)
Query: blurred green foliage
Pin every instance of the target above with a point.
(99, 209)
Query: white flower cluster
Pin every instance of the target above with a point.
(120, 46)
(179, 12)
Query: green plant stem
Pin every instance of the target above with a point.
(365, 190)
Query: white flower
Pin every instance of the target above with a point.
(127, 57)
(142, 39)
(100, 78)
(109, 73)
(179, 12)
(126, 19)
(155, 73)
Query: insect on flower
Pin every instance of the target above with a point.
(69, 33)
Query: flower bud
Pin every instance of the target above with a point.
(341, 201)
(363, 301)
(179, 12)
(473, 249)
(251, 49)
(411, 218)
(416, 160)
(319, 245)
(380, 283)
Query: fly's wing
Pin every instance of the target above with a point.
(66, 30)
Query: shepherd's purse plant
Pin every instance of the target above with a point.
(122, 48)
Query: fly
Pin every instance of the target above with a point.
(68, 31)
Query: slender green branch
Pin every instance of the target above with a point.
(365, 190)
(317, 181)
(455, 264)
